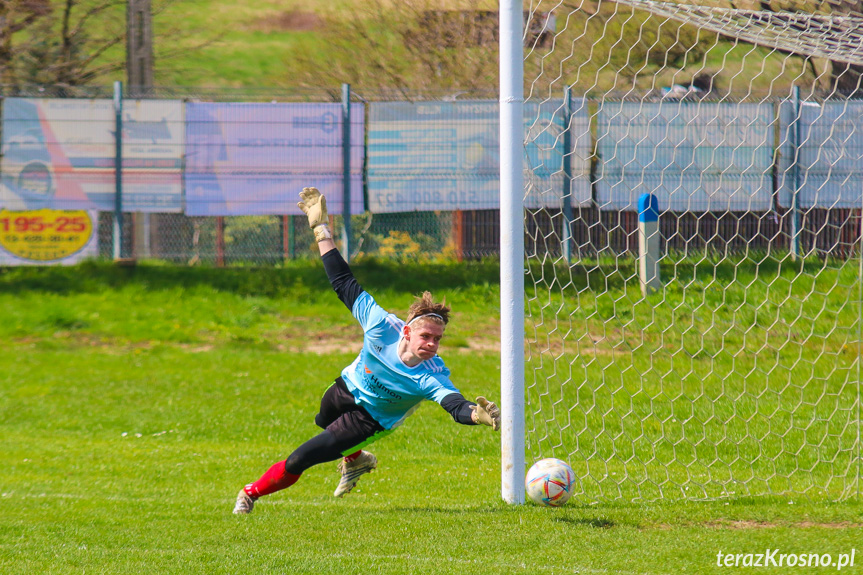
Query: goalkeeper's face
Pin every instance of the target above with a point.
(423, 338)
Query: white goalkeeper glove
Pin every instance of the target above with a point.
(486, 413)
(314, 205)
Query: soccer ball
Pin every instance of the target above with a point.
(549, 482)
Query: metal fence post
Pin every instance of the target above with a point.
(286, 229)
(567, 174)
(346, 166)
(220, 241)
(292, 238)
(118, 170)
(795, 172)
(859, 345)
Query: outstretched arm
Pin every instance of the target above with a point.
(459, 408)
(467, 412)
(341, 278)
(314, 205)
(326, 246)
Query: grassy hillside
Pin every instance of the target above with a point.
(286, 44)
(238, 44)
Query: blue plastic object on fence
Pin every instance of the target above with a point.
(649, 244)
(648, 208)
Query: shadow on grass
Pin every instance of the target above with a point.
(560, 515)
(606, 274)
(595, 522)
(305, 276)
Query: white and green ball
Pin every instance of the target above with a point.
(549, 482)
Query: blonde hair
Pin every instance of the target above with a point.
(425, 305)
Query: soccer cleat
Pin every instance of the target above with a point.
(352, 471)
(244, 503)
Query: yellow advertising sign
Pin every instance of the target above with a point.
(45, 235)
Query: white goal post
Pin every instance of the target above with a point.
(716, 146)
(511, 252)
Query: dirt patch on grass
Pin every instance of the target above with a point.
(332, 345)
(293, 21)
(748, 524)
(110, 345)
(613, 341)
(740, 524)
(323, 344)
(834, 525)
(302, 334)
(298, 335)
(197, 348)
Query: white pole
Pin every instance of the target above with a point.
(511, 252)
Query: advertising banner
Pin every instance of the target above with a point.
(60, 153)
(430, 156)
(694, 157)
(45, 236)
(254, 159)
(830, 155)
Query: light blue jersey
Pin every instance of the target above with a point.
(379, 380)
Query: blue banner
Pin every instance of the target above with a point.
(830, 156)
(253, 159)
(431, 156)
(60, 153)
(693, 156)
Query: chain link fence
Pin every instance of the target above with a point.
(431, 228)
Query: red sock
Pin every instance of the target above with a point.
(275, 479)
(353, 456)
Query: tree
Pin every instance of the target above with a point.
(77, 42)
(67, 48)
(15, 16)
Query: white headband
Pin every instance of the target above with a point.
(426, 315)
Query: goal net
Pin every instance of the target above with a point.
(738, 372)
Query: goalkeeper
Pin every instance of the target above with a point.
(397, 368)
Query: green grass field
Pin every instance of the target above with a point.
(741, 377)
(134, 403)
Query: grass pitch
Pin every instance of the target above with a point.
(135, 403)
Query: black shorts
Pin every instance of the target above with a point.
(351, 425)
